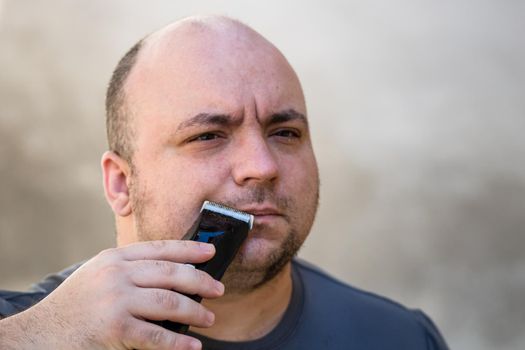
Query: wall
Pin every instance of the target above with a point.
(417, 110)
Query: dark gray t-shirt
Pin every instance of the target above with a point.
(324, 313)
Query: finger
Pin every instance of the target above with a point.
(161, 304)
(170, 250)
(180, 277)
(138, 334)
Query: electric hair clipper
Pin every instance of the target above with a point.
(226, 228)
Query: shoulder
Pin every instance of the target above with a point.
(13, 302)
(52, 281)
(364, 313)
(318, 281)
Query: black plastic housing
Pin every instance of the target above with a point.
(226, 228)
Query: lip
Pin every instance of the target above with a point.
(264, 215)
(262, 211)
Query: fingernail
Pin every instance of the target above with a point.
(195, 344)
(206, 247)
(210, 318)
(219, 287)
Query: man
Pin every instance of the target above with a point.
(207, 109)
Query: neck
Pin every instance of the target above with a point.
(243, 317)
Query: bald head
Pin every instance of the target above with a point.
(210, 49)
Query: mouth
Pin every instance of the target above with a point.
(264, 214)
(261, 211)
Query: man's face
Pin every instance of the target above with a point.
(213, 123)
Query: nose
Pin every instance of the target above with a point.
(254, 162)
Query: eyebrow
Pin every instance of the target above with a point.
(208, 119)
(228, 120)
(286, 116)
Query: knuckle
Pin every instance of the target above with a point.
(108, 253)
(187, 244)
(203, 278)
(147, 338)
(106, 275)
(155, 337)
(167, 300)
(158, 244)
(173, 342)
(110, 271)
(120, 330)
(166, 268)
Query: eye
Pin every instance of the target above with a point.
(287, 133)
(208, 136)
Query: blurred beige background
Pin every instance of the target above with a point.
(417, 110)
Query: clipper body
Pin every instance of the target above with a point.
(226, 228)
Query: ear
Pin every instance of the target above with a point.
(116, 172)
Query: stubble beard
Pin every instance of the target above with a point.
(242, 276)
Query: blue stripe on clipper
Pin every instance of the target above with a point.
(205, 236)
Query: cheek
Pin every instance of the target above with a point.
(168, 192)
(301, 184)
(188, 182)
(301, 173)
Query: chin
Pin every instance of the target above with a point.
(257, 251)
(259, 260)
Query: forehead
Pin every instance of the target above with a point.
(178, 75)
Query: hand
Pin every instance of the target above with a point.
(106, 303)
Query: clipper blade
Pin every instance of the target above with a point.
(228, 211)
